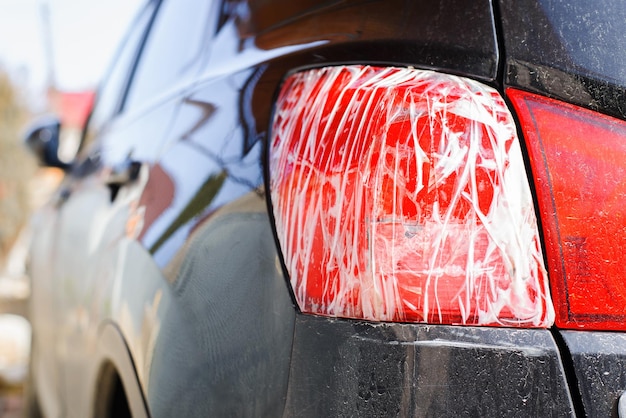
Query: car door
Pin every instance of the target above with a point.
(54, 260)
(105, 275)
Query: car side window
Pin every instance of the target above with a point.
(173, 48)
(111, 92)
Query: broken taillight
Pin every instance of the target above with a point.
(401, 195)
(578, 158)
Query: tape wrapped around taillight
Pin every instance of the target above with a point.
(401, 195)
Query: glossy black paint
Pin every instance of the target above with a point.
(205, 163)
(454, 36)
(439, 34)
(351, 368)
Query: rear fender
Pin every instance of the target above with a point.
(113, 355)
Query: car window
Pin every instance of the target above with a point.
(172, 50)
(112, 89)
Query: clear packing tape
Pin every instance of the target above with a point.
(401, 195)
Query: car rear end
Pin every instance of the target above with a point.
(449, 210)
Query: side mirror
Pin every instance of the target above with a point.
(42, 138)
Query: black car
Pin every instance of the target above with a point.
(342, 208)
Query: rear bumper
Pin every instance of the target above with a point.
(599, 359)
(351, 368)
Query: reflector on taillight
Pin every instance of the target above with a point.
(401, 195)
(579, 162)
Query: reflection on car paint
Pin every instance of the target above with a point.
(200, 168)
(196, 205)
(360, 233)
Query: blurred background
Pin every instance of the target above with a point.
(52, 56)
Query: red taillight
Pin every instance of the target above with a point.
(579, 162)
(401, 195)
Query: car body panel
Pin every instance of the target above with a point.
(43, 312)
(243, 317)
(178, 265)
(343, 368)
(112, 350)
(454, 35)
(570, 50)
(90, 274)
(599, 363)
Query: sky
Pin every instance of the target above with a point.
(83, 35)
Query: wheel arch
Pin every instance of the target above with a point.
(116, 372)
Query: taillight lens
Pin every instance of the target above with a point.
(579, 162)
(401, 195)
